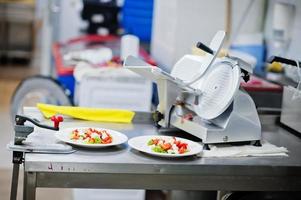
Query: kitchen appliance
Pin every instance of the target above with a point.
(202, 97)
(291, 98)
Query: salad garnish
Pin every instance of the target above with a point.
(91, 136)
(170, 146)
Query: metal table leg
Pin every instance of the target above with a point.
(17, 161)
(29, 187)
(15, 180)
(21, 133)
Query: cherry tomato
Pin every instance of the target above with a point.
(155, 141)
(182, 150)
(92, 140)
(183, 145)
(107, 140)
(166, 146)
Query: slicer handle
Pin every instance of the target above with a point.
(20, 120)
(282, 60)
(204, 47)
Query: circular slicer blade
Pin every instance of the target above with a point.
(219, 87)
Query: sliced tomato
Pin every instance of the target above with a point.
(92, 140)
(178, 143)
(182, 150)
(75, 137)
(107, 140)
(155, 141)
(183, 145)
(166, 146)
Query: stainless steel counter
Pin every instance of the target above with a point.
(123, 167)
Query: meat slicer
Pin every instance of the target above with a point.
(201, 96)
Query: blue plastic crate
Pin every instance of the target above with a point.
(139, 4)
(140, 13)
(68, 82)
(141, 27)
(137, 18)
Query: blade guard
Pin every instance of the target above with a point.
(211, 54)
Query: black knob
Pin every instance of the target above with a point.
(246, 75)
(204, 48)
(157, 116)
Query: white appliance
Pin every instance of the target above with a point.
(114, 88)
(201, 96)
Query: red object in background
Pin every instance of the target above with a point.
(57, 51)
(256, 84)
(57, 120)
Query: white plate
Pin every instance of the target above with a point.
(117, 137)
(140, 143)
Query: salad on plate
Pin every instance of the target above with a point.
(165, 146)
(168, 146)
(91, 136)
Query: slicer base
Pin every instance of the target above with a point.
(206, 147)
(257, 143)
(239, 123)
